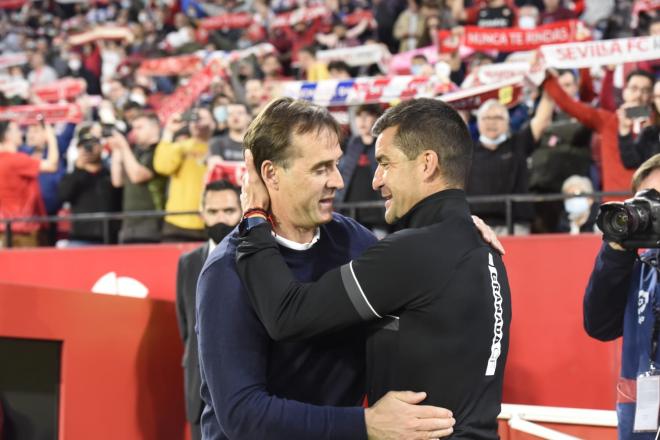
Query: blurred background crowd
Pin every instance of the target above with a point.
(133, 105)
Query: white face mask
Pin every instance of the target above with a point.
(220, 113)
(416, 69)
(75, 64)
(576, 206)
(138, 98)
(527, 22)
(489, 141)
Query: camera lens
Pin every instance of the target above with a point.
(619, 222)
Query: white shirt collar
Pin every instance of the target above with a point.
(295, 245)
(212, 246)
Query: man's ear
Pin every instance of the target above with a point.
(269, 174)
(430, 164)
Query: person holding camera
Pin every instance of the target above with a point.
(88, 188)
(132, 169)
(633, 150)
(621, 300)
(185, 163)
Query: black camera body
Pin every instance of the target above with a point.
(633, 224)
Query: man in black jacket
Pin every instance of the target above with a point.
(438, 295)
(221, 211)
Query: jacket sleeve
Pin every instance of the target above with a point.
(607, 293)
(181, 299)
(168, 157)
(368, 288)
(587, 115)
(234, 350)
(630, 154)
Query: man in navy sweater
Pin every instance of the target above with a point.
(256, 388)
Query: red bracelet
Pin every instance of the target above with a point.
(258, 212)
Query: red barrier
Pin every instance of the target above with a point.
(121, 372)
(551, 360)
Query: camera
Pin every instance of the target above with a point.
(633, 224)
(189, 116)
(107, 130)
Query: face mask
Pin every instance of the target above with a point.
(218, 231)
(416, 69)
(220, 113)
(488, 141)
(442, 69)
(527, 22)
(137, 98)
(75, 64)
(576, 206)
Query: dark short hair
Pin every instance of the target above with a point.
(430, 124)
(4, 126)
(150, 116)
(339, 65)
(420, 56)
(220, 185)
(562, 72)
(639, 72)
(373, 109)
(270, 134)
(645, 169)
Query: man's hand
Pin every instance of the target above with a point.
(254, 193)
(397, 416)
(488, 235)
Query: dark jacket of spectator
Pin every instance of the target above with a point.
(635, 151)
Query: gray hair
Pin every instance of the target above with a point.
(581, 182)
(492, 103)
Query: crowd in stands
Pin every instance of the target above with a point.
(132, 105)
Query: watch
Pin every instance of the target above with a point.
(250, 222)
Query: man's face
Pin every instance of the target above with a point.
(35, 136)
(253, 92)
(145, 131)
(637, 90)
(654, 29)
(652, 181)
(363, 122)
(13, 135)
(568, 84)
(237, 117)
(306, 189)
(551, 4)
(271, 65)
(221, 207)
(493, 122)
(396, 177)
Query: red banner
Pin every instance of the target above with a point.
(508, 93)
(12, 4)
(516, 39)
(179, 65)
(66, 88)
(227, 21)
(32, 114)
(13, 59)
(305, 15)
(357, 16)
(185, 96)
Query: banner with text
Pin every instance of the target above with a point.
(13, 59)
(508, 93)
(602, 52)
(355, 56)
(62, 89)
(49, 113)
(178, 65)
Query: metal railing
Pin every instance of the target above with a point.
(349, 209)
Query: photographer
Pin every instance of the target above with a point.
(185, 162)
(88, 189)
(622, 300)
(634, 151)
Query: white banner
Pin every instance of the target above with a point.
(355, 56)
(603, 52)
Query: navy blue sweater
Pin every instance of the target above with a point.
(255, 388)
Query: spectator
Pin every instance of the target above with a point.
(635, 151)
(184, 162)
(555, 11)
(310, 68)
(41, 74)
(272, 67)
(133, 170)
(88, 189)
(499, 164)
(528, 17)
(580, 212)
(229, 146)
(409, 26)
(339, 70)
(255, 95)
(358, 165)
(36, 145)
(419, 66)
(606, 123)
(496, 14)
(19, 188)
(76, 69)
